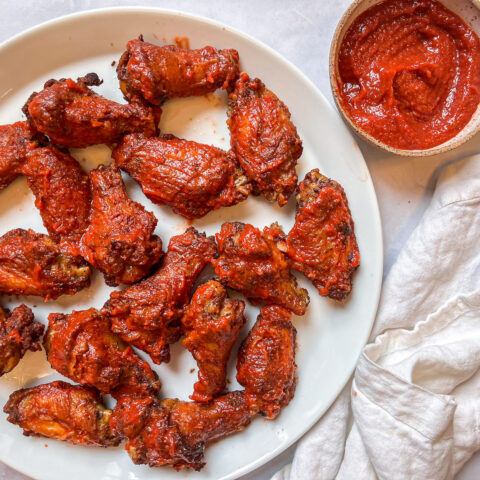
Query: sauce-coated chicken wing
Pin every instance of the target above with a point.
(264, 139)
(160, 72)
(72, 115)
(82, 347)
(62, 194)
(31, 264)
(119, 240)
(16, 141)
(146, 314)
(19, 332)
(174, 433)
(249, 261)
(322, 243)
(59, 410)
(190, 177)
(203, 423)
(211, 324)
(266, 362)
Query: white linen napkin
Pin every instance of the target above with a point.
(412, 410)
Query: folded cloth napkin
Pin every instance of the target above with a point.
(412, 410)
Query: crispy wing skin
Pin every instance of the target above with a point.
(82, 347)
(146, 314)
(62, 193)
(322, 243)
(72, 115)
(119, 240)
(211, 324)
(190, 177)
(204, 423)
(151, 438)
(16, 141)
(31, 264)
(59, 410)
(266, 362)
(249, 261)
(264, 139)
(174, 433)
(19, 332)
(157, 73)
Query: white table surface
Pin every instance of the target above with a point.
(301, 31)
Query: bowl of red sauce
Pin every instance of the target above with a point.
(405, 74)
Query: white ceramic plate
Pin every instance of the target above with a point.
(330, 336)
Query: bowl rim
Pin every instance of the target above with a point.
(346, 20)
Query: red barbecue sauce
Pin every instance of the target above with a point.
(409, 73)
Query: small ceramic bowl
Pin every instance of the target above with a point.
(464, 9)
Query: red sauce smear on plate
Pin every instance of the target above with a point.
(409, 73)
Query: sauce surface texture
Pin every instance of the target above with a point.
(409, 73)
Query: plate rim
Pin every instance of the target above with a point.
(376, 218)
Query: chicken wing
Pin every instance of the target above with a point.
(146, 314)
(190, 177)
(266, 362)
(250, 261)
(211, 324)
(72, 115)
(82, 347)
(16, 141)
(62, 194)
(322, 243)
(31, 264)
(119, 240)
(174, 433)
(19, 332)
(264, 139)
(62, 411)
(157, 73)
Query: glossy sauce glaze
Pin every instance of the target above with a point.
(409, 73)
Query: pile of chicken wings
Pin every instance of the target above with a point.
(92, 223)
